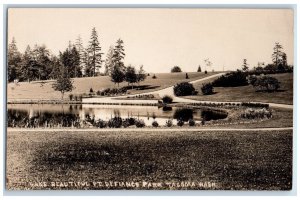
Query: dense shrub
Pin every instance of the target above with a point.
(205, 72)
(169, 123)
(184, 89)
(91, 90)
(154, 76)
(115, 122)
(207, 89)
(266, 83)
(232, 79)
(180, 123)
(167, 99)
(209, 114)
(251, 113)
(186, 76)
(192, 122)
(167, 108)
(255, 105)
(176, 69)
(140, 123)
(155, 124)
(101, 124)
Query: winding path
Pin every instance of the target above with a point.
(168, 91)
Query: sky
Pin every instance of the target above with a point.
(160, 38)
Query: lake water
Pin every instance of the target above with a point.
(56, 112)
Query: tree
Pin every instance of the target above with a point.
(118, 55)
(70, 59)
(13, 61)
(245, 65)
(42, 63)
(94, 53)
(118, 68)
(184, 89)
(63, 83)
(130, 75)
(176, 69)
(81, 51)
(117, 75)
(208, 63)
(56, 66)
(25, 69)
(277, 54)
(141, 76)
(199, 69)
(207, 89)
(109, 61)
(266, 83)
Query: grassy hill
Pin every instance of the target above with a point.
(42, 90)
(247, 93)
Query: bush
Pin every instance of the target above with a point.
(207, 89)
(169, 123)
(186, 76)
(115, 122)
(155, 124)
(140, 123)
(192, 122)
(71, 97)
(167, 99)
(184, 89)
(266, 83)
(180, 123)
(154, 77)
(205, 72)
(232, 79)
(175, 69)
(101, 124)
(251, 113)
(129, 121)
(255, 105)
(91, 90)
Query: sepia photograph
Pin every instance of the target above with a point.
(149, 99)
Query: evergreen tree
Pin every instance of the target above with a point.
(80, 49)
(118, 70)
(109, 61)
(277, 54)
(199, 69)
(141, 76)
(94, 52)
(119, 54)
(245, 65)
(13, 61)
(25, 69)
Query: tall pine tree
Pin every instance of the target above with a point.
(13, 61)
(94, 53)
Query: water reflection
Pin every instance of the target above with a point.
(54, 115)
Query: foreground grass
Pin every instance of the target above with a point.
(24, 90)
(248, 94)
(256, 160)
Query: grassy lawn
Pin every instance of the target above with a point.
(247, 93)
(260, 160)
(25, 90)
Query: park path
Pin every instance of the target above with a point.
(168, 91)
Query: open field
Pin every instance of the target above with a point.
(248, 94)
(243, 160)
(44, 91)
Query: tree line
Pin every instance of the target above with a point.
(38, 63)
